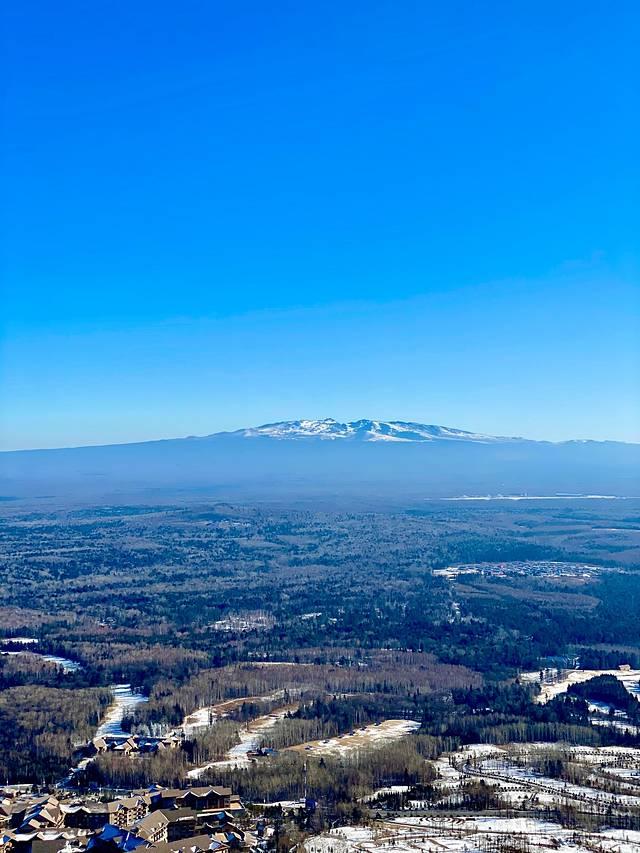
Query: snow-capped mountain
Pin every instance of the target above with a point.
(365, 430)
(327, 459)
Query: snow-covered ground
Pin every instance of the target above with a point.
(506, 769)
(565, 678)
(365, 737)
(520, 786)
(284, 804)
(535, 498)
(449, 763)
(381, 792)
(250, 738)
(556, 790)
(65, 664)
(620, 725)
(124, 701)
(208, 716)
(599, 756)
(252, 735)
(22, 641)
(466, 835)
(364, 429)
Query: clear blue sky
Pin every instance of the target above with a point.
(216, 214)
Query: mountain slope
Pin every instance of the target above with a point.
(364, 430)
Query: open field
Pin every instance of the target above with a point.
(366, 737)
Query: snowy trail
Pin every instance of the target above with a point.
(207, 716)
(124, 701)
(250, 738)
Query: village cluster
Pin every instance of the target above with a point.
(523, 568)
(162, 820)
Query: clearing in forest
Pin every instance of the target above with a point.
(374, 734)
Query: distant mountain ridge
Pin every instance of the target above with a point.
(329, 429)
(304, 459)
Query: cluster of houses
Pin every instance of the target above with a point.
(160, 820)
(131, 745)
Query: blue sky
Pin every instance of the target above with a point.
(219, 214)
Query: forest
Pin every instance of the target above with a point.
(40, 725)
(194, 604)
